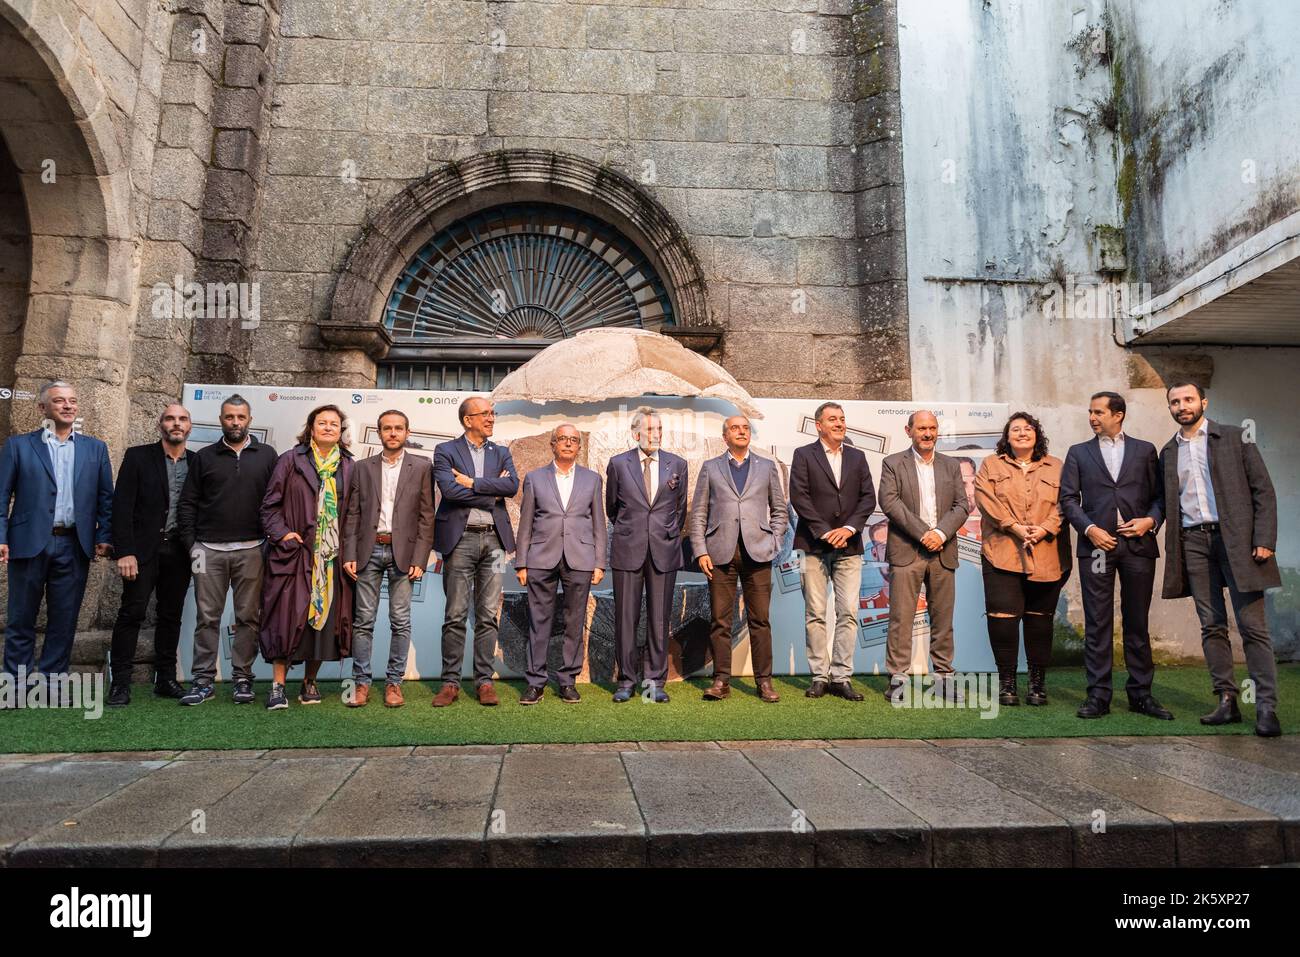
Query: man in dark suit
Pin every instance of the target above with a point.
(472, 533)
(61, 485)
(561, 540)
(831, 491)
(738, 519)
(922, 495)
(645, 498)
(387, 532)
(1109, 492)
(1221, 532)
(150, 554)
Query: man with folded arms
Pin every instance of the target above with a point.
(738, 518)
(561, 540)
(922, 495)
(387, 533)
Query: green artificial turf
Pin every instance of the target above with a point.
(151, 723)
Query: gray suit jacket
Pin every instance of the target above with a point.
(900, 500)
(721, 516)
(1247, 504)
(548, 531)
(412, 512)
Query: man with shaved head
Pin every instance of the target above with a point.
(922, 495)
(561, 541)
(150, 554)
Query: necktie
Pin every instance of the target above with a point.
(645, 473)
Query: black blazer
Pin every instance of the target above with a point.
(140, 501)
(1089, 496)
(821, 505)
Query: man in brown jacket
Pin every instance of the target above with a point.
(388, 531)
(1221, 532)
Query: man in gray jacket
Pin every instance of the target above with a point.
(561, 540)
(1221, 532)
(922, 495)
(738, 519)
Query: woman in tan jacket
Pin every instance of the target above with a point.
(1025, 552)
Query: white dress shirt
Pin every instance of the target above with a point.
(836, 460)
(1195, 489)
(1112, 453)
(389, 473)
(928, 503)
(564, 482)
(642, 455)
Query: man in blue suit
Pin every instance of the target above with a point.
(472, 533)
(1110, 489)
(645, 499)
(561, 540)
(61, 484)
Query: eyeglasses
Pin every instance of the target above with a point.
(489, 413)
(568, 440)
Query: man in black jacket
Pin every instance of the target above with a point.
(1110, 490)
(150, 554)
(220, 525)
(831, 490)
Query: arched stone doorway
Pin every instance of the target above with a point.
(438, 290)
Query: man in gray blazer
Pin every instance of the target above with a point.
(1221, 532)
(922, 495)
(738, 518)
(561, 539)
(388, 531)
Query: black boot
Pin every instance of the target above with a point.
(1226, 713)
(1007, 695)
(119, 696)
(1037, 686)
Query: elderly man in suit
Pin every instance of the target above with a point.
(645, 498)
(1109, 492)
(831, 491)
(387, 533)
(922, 495)
(738, 518)
(561, 541)
(1222, 532)
(150, 554)
(61, 486)
(472, 533)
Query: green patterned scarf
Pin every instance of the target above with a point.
(326, 548)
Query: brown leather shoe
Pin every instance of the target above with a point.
(360, 696)
(767, 692)
(487, 695)
(718, 690)
(446, 695)
(393, 696)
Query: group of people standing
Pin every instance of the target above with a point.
(306, 539)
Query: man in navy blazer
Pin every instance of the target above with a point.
(472, 533)
(61, 484)
(1110, 492)
(561, 539)
(645, 498)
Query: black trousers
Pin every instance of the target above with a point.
(543, 599)
(1137, 577)
(167, 573)
(657, 588)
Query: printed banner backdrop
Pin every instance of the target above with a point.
(692, 429)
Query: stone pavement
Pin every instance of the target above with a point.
(1219, 801)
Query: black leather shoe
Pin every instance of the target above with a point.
(531, 696)
(1150, 707)
(1266, 723)
(119, 696)
(1093, 708)
(815, 690)
(569, 695)
(842, 689)
(168, 688)
(1226, 713)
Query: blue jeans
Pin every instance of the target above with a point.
(369, 578)
(473, 569)
(59, 574)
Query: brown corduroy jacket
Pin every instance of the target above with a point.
(1006, 496)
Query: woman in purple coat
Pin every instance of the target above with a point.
(306, 599)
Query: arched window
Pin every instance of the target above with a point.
(491, 290)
